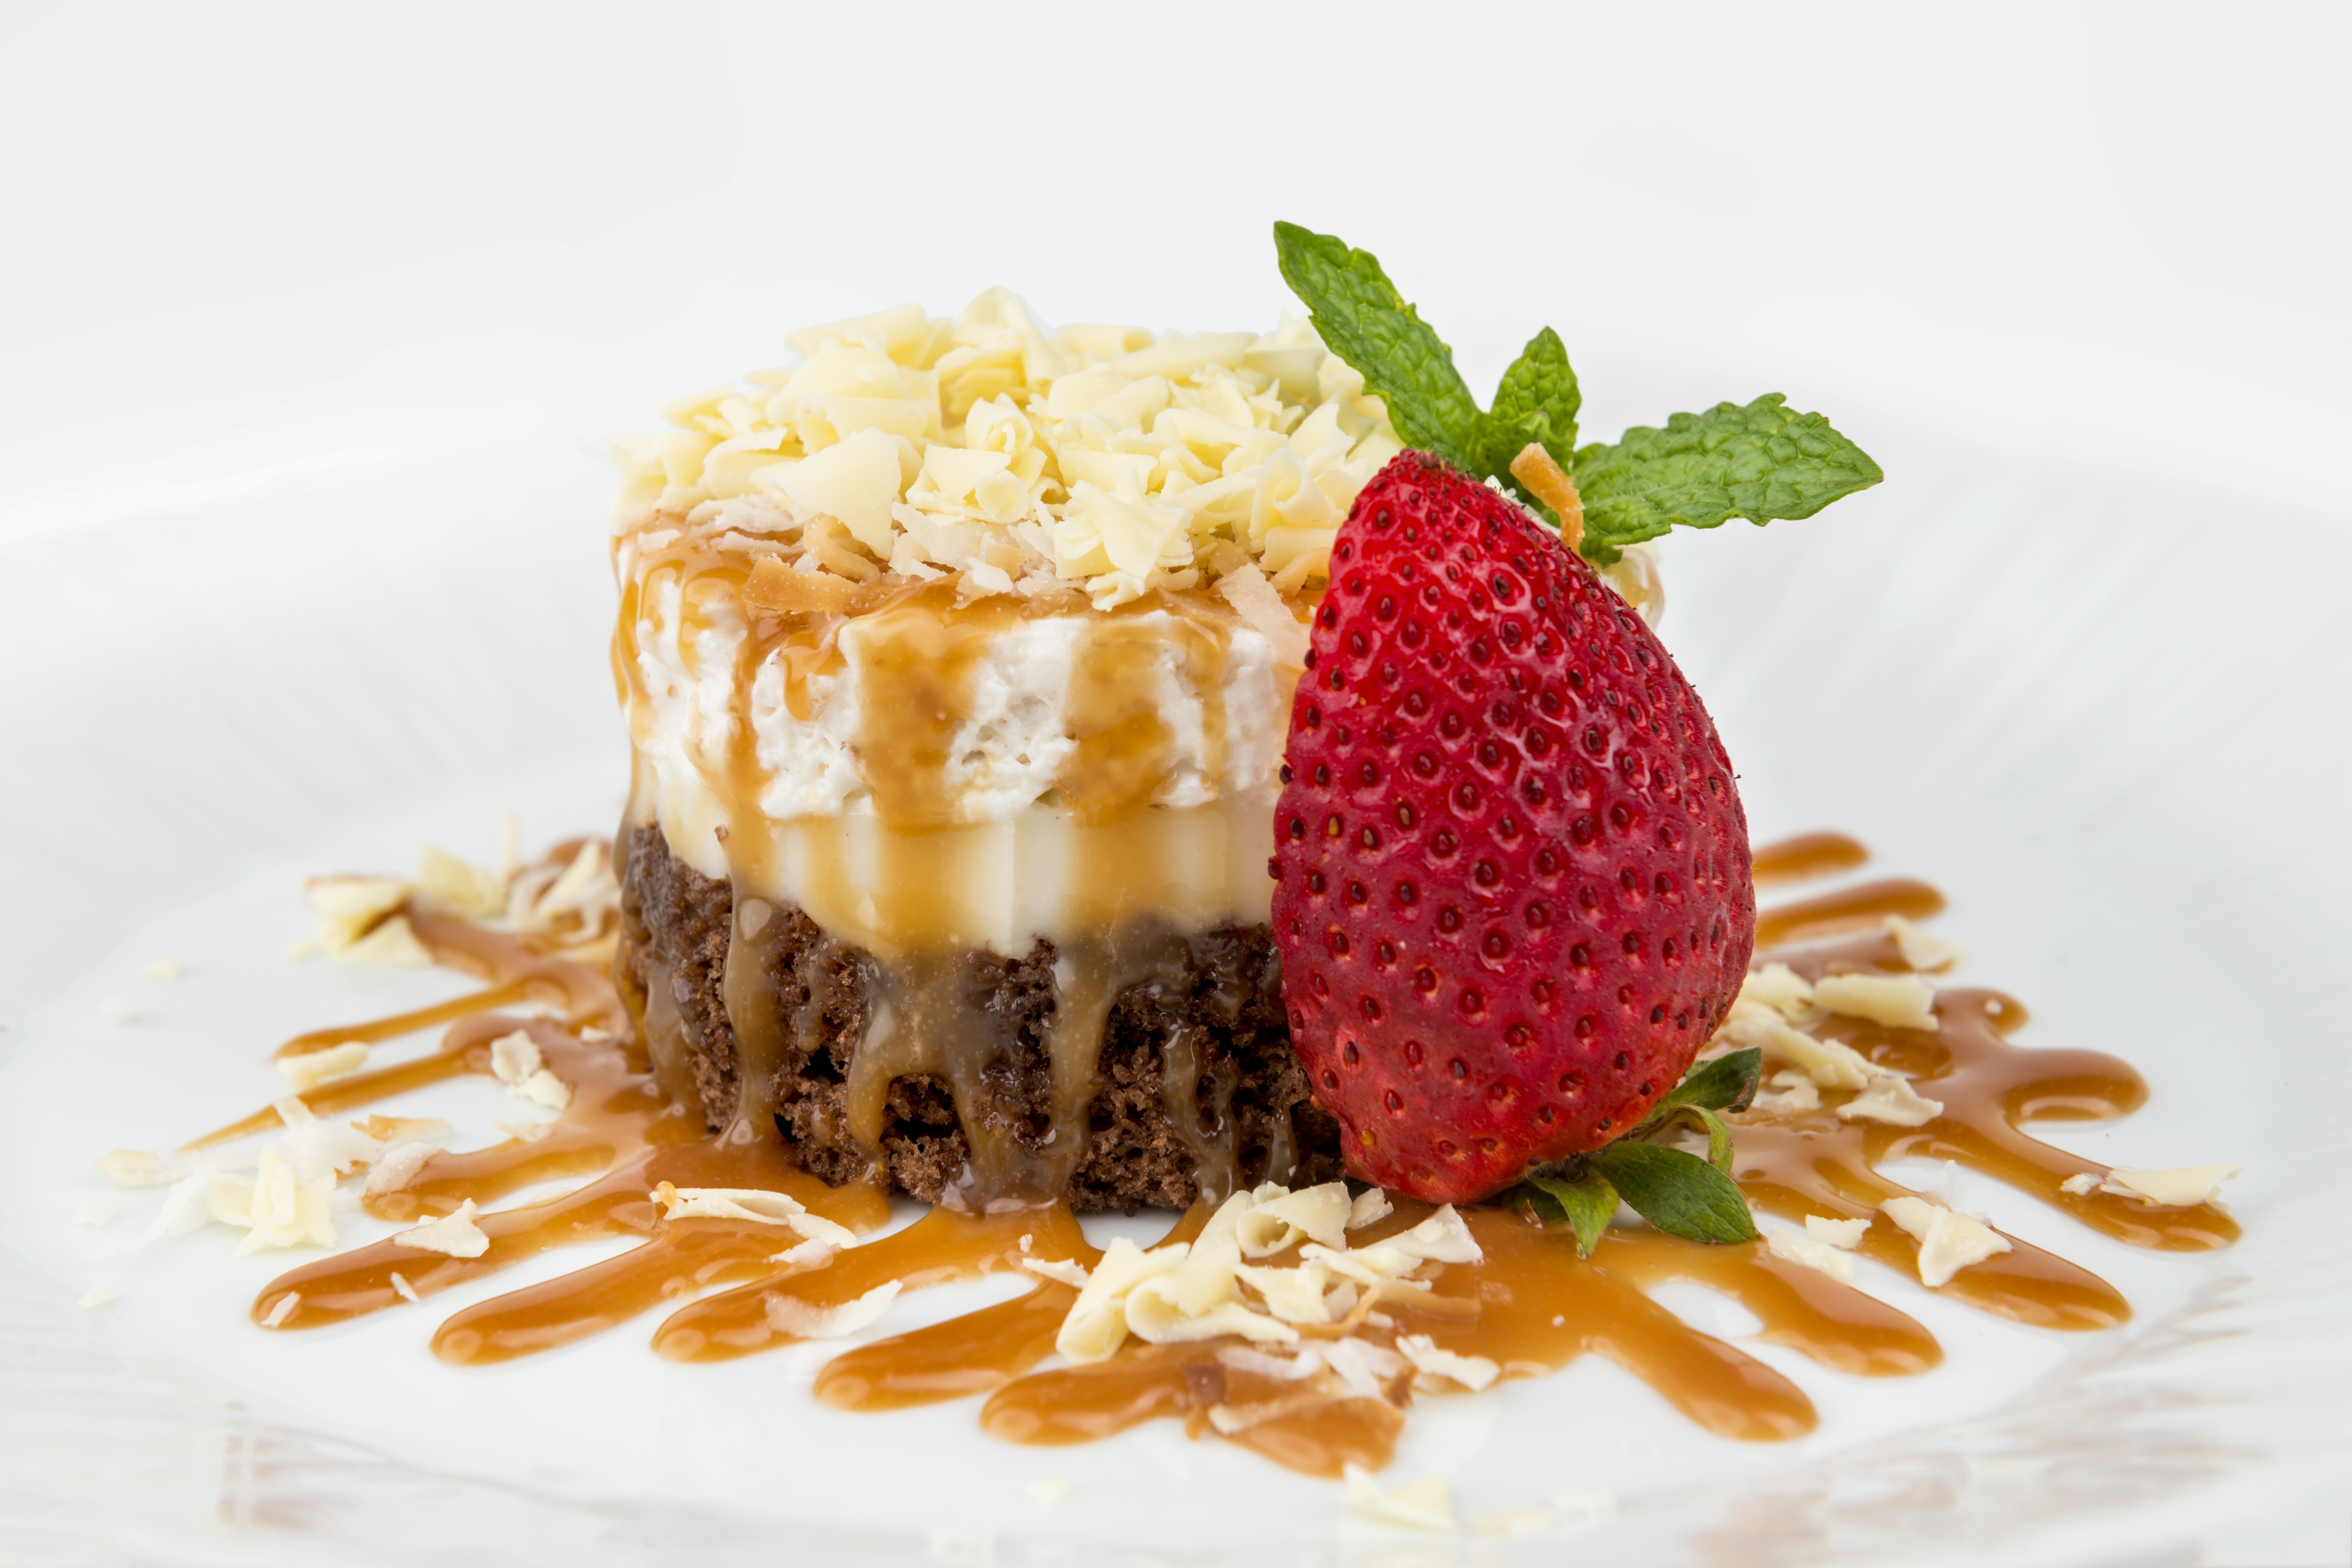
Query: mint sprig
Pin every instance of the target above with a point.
(1762, 461)
(1363, 319)
(1538, 400)
(1679, 1193)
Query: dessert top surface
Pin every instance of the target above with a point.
(1026, 461)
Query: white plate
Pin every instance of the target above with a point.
(2119, 749)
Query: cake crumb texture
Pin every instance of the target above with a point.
(1227, 1004)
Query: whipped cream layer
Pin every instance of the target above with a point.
(931, 773)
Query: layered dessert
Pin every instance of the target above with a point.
(957, 662)
(1235, 774)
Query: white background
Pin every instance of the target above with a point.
(247, 240)
(267, 254)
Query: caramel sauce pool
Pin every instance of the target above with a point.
(1531, 1305)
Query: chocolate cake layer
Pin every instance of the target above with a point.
(1195, 1075)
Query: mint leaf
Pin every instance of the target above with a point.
(1680, 1194)
(1587, 1206)
(1537, 401)
(1764, 461)
(1726, 1083)
(1364, 321)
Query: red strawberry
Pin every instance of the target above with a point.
(1514, 894)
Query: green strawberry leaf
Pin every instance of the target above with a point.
(1537, 401)
(1680, 1194)
(1718, 1136)
(1764, 463)
(1364, 321)
(1726, 1083)
(1586, 1205)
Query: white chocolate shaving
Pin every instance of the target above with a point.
(397, 1166)
(1258, 601)
(1312, 1214)
(1096, 1324)
(1948, 1240)
(313, 1068)
(1893, 1102)
(1846, 1235)
(1798, 1094)
(1156, 1315)
(514, 1057)
(454, 1235)
(757, 1206)
(1366, 1368)
(2183, 1186)
(1294, 1295)
(1472, 1372)
(348, 908)
(1898, 1001)
(393, 942)
(1919, 949)
(1831, 1064)
(447, 882)
(788, 1314)
(1814, 1253)
(320, 1148)
(276, 1207)
(1779, 987)
(1062, 1269)
(1265, 1363)
(135, 1168)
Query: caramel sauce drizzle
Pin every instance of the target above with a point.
(921, 652)
(1532, 1305)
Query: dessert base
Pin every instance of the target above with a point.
(1194, 1089)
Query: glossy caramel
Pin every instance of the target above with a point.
(1532, 1305)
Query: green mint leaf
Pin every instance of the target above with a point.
(1586, 1205)
(1364, 321)
(1764, 461)
(1726, 1083)
(1537, 401)
(1680, 1194)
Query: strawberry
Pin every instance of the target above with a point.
(1513, 891)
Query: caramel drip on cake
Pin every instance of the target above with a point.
(889, 878)
(925, 1022)
(1531, 1305)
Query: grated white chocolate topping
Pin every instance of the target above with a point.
(1026, 459)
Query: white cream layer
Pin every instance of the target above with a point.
(993, 885)
(798, 812)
